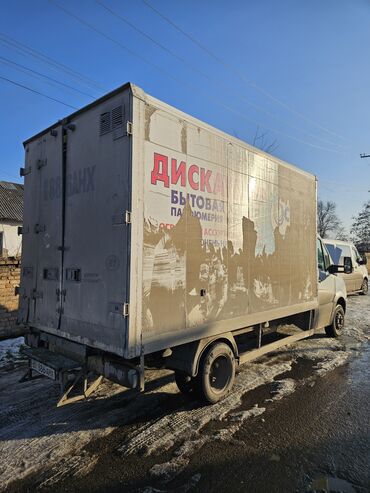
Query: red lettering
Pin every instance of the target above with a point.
(192, 171)
(178, 172)
(204, 180)
(160, 162)
(218, 188)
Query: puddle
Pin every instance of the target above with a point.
(331, 485)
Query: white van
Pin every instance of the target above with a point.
(355, 273)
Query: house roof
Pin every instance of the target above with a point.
(11, 201)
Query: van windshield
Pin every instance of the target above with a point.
(338, 252)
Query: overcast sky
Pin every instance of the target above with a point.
(298, 69)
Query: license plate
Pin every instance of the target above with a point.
(42, 369)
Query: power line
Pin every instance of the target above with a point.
(36, 92)
(177, 80)
(104, 35)
(20, 47)
(208, 77)
(146, 35)
(39, 74)
(240, 75)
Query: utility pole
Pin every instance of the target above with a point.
(362, 156)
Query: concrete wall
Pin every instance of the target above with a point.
(10, 270)
(12, 242)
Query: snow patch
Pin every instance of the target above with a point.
(242, 416)
(327, 365)
(283, 388)
(172, 468)
(10, 351)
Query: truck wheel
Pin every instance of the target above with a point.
(216, 373)
(184, 382)
(336, 327)
(365, 287)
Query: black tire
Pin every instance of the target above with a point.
(336, 327)
(365, 287)
(216, 373)
(184, 382)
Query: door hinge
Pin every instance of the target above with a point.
(41, 163)
(72, 274)
(25, 171)
(39, 228)
(37, 294)
(61, 293)
(119, 308)
(122, 218)
(129, 128)
(128, 217)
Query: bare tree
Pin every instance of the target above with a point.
(328, 220)
(260, 141)
(342, 234)
(361, 228)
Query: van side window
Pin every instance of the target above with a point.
(346, 252)
(327, 259)
(320, 256)
(356, 255)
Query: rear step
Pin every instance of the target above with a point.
(66, 371)
(48, 363)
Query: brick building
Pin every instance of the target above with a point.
(11, 215)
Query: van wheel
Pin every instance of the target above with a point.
(336, 327)
(216, 373)
(365, 287)
(184, 382)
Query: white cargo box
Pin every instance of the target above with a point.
(145, 228)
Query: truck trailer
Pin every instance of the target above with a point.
(153, 240)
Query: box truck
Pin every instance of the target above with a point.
(152, 239)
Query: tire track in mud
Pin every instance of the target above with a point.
(188, 422)
(187, 425)
(62, 440)
(34, 432)
(21, 412)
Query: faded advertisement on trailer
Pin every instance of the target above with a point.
(228, 231)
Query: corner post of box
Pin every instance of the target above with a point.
(142, 366)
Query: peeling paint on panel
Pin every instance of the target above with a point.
(149, 110)
(226, 233)
(184, 146)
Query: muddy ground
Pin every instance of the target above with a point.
(298, 420)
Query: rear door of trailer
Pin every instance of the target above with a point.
(96, 237)
(76, 241)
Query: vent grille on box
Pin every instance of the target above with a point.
(110, 120)
(105, 125)
(117, 117)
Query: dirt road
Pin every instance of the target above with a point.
(297, 420)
